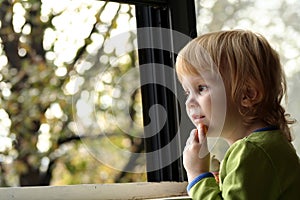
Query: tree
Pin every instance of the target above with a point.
(37, 95)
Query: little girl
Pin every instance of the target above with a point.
(234, 84)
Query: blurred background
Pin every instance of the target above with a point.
(61, 71)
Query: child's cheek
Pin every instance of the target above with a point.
(188, 111)
(192, 111)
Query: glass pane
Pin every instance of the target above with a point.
(277, 21)
(70, 101)
(108, 104)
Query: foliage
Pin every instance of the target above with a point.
(52, 54)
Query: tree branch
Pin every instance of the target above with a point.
(79, 137)
(137, 148)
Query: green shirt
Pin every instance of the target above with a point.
(263, 165)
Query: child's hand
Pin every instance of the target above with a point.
(196, 156)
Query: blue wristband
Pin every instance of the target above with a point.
(199, 178)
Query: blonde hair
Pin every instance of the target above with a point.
(244, 60)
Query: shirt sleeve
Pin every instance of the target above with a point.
(247, 172)
(199, 178)
(205, 189)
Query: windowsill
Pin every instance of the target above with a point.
(140, 190)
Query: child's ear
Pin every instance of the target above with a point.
(251, 97)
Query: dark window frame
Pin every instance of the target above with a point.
(177, 15)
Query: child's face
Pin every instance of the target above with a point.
(206, 103)
(198, 100)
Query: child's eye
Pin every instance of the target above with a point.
(202, 89)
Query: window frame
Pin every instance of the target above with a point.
(179, 16)
(144, 190)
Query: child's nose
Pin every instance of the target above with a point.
(191, 102)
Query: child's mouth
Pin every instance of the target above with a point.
(198, 118)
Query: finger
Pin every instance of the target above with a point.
(191, 139)
(214, 164)
(196, 136)
(192, 136)
(202, 140)
(202, 130)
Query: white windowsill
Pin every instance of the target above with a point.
(141, 190)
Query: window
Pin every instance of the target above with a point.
(161, 33)
(158, 29)
(79, 75)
